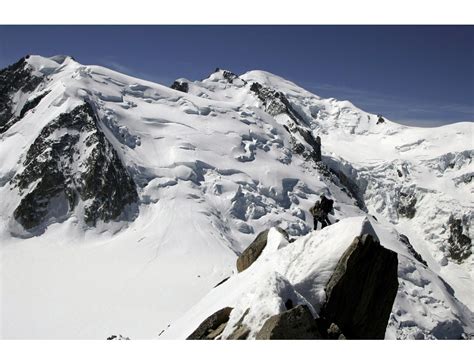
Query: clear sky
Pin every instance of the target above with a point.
(419, 75)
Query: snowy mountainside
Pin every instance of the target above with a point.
(419, 179)
(204, 171)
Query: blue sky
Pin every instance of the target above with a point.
(419, 75)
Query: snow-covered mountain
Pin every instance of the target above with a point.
(124, 202)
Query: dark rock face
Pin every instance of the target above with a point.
(380, 119)
(118, 337)
(17, 77)
(362, 289)
(221, 282)
(31, 104)
(459, 244)
(213, 326)
(61, 170)
(295, 324)
(180, 86)
(404, 239)
(253, 251)
(406, 205)
(229, 76)
(275, 103)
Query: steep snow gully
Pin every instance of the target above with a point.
(125, 204)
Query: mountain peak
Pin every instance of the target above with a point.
(165, 187)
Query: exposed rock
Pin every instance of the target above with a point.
(317, 149)
(464, 179)
(362, 289)
(459, 244)
(329, 330)
(253, 251)
(380, 119)
(17, 77)
(53, 185)
(180, 86)
(335, 333)
(223, 281)
(229, 76)
(215, 333)
(241, 331)
(213, 326)
(31, 104)
(275, 103)
(406, 205)
(295, 324)
(404, 239)
(118, 337)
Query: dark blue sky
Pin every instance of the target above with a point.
(422, 75)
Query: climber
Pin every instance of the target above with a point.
(320, 212)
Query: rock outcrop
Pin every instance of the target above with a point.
(359, 297)
(118, 337)
(180, 86)
(459, 244)
(295, 324)
(334, 333)
(241, 331)
(13, 79)
(31, 104)
(72, 160)
(362, 289)
(275, 103)
(329, 330)
(253, 251)
(404, 239)
(213, 326)
(231, 76)
(406, 205)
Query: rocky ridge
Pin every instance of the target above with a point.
(359, 297)
(78, 166)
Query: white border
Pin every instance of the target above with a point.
(238, 352)
(236, 12)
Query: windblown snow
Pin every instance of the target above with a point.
(213, 167)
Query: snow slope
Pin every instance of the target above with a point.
(213, 167)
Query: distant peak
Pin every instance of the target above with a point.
(229, 76)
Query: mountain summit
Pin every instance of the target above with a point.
(124, 202)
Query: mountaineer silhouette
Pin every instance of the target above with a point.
(320, 212)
